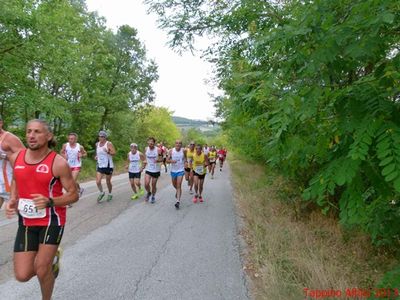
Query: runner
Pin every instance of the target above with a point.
(212, 158)
(206, 149)
(9, 144)
(104, 152)
(40, 175)
(153, 168)
(73, 152)
(199, 165)
(137, 162)
(221, 157)
(164, 153)
(188, 171)
(177, 158)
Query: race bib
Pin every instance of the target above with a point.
(199, 170)
(102, 160)
(28, 210)
(72, 161)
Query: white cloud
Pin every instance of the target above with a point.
(181, 86)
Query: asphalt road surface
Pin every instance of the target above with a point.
(127, 249)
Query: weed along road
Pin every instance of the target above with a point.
(127, 249)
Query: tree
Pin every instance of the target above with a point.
(60, 63)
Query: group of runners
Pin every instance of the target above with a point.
(39, 184)
(190, 163)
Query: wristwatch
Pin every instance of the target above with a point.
(51, 202)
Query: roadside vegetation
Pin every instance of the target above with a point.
(292, 247)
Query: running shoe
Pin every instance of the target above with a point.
(100, 197)
(220, 169)
(134, 196)
(148, 196)
(109, 197)
(141, 192)
(55, 268)
(177, 205)
(195, 199)
(212, 176)
(153, 199)
(201, 199)
(190, 192)
(81, 190)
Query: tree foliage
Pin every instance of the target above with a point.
(312, 88)
(59, 62)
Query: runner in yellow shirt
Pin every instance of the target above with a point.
(212, 158)
(188, 171)
(199, 167)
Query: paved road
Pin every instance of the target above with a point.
(136, 250)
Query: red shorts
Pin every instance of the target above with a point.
(75, 169)
(221, 158)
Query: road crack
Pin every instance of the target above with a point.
(161, 253)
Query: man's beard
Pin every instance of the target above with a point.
(34, 148)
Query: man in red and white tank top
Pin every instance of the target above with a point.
(9, 144)
(73, 153)
(40, 175)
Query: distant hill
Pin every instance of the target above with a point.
(185, 123)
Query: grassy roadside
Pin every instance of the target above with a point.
(287, 254)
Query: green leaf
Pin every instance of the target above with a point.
(340, 178)
(386, 161)
(396, 184)
(391, 176)
(388, 18)
(388, 169)
(384, 153)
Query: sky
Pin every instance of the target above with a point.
(181, 87)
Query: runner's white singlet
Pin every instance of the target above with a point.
(179, 157)
(152, 156)
(134, 162)
(104, 160)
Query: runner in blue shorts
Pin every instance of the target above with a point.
(177, 159)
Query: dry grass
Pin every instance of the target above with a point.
(287, 255)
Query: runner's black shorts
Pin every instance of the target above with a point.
(153, 174)
(198, 175)
(187, 169)
(29, 237)
(106, 171)
(134, 175)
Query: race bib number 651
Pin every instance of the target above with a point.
(27, 209)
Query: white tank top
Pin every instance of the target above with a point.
(179, 157)
(5, 170)
(206, 150)
(151, 157)
(134, 162)
(73, 155)
(104, 160)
